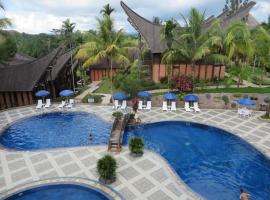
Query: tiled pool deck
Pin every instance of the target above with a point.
(142, 178)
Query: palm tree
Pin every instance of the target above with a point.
(261, 43)
(107, 10)
(194, 43)
(107, 45)
(4, 22)
(239, 46)
(167, 33)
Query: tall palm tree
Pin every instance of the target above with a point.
(107, 45)
(261, 43)
(194, 43)
(66, 31)
(107, 10)
(239, 46)
(167, 34)
(4, 22)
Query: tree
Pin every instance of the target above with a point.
(108, 45)
(4, 22)
(168, 31)
(194, 44)
(107, 10)
(239, 47)
(157, 20)
(261, 44)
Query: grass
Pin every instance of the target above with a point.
(105, 87)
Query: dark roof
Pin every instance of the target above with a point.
(60, 63)
(152, 32)
(24, 77)
(18, 59)
(149, 31)
(103, 65)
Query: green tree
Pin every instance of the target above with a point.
(239, 47)
(107, 10)
(108, 45)
(193, 44)
(167, 32)
(261, 44)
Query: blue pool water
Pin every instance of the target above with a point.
(58, 192)
(212, 162)
(61, 129)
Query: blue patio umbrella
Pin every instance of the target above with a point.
(191, 97)
(42, 93)
(169, 96)
(246, 102)
(120, 96)
(144, 94)
(66, 93)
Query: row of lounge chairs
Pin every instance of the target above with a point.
(48, 104)
(123, 106)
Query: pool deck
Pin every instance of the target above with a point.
(145, 178)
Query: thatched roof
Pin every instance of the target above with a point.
(60, 63)
(152, 32)
(24, 77)
(18, 59)
(148, 30)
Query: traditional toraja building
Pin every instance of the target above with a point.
(22, 76)
(151, 33)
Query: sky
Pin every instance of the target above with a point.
(41, 16)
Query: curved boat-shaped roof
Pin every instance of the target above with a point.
(148, 30)
(24, 77)
(152, 32)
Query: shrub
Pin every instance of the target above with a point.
(233, 105)
(117, 114)
(97, 98)
(106, 168)
(208, 96)
(237, 95)
(266, 100)
(183, 83)
(164, 79)
(226, 100)
(131, 86)
(245, 96)
(135, 105)
(136, 146)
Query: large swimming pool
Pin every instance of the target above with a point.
(54, 130)
(57, 192)
(212, 162)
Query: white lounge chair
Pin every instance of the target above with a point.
(39, 104)
(140, 107)
(164, 106)
(62, 105)
(71, 101)
(124, 105)
(148, 105)
(196, 107)
(173, 106)
(187, 108)
(48, 103)
(116, 104)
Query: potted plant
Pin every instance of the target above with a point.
(226, 100)
(117, 114)
(136, 146)
(106, 168)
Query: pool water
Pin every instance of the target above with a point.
(54, 130)
(212, 162)
(58, 192)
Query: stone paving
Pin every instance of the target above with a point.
(148, 177)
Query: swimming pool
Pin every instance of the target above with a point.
(54, 130)
(59, 191)
(213, 162)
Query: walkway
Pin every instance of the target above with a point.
(145, 178)
(91, 88)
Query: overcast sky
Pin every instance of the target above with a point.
(36, 16)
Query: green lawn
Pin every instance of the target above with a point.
(105, 87)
